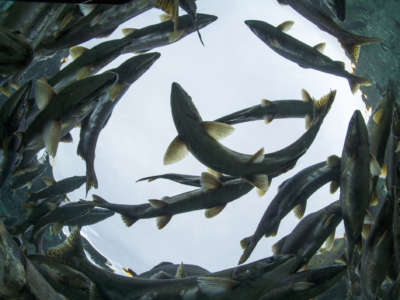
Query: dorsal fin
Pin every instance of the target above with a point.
(155, 203)
(320, 47)
(276, 248)
(128, 31)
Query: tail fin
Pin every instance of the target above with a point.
(322, 106)
(352, 45)
(355, 82)
(91, 179)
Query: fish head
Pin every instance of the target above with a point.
(203, 20)
(134, 67)
(357, 134)
(183, 110)
(262, 30)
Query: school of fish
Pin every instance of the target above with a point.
(40, 113)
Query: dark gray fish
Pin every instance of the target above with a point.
(60, 187)
(183, 178)
(306, 284)
(163, 34)
(377, 254)
(117, 287)
(127, 73)
(355, 182)
(94, 216)
(65, 280)
(211, 198)
(292, 194)
(200, 138)
(15, 54)
(102, 21)
(171, 269)
(350, 42)
(65, 111)
(302, 54)
(9, 156)
(311, 232)
(270, 110)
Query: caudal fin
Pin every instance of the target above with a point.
(355, 82)
(352, 45)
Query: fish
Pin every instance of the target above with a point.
(117, 287)
(64, 111)
(211, 197)
(60, 216)
(301, 53)
(191, 180)
(171, 269)
(355, 182)
(16, 53)
(350, 42)
(292, 194)
(379, 123)
(162, 34)
(65, 280)
(200, 138)
(306, 284)
(60, 187)
(26, 179)
(377, 248)
(89, 61)
(102, 21)
(191, 8)
(278, 109)
(127, 73)
(310, 233)
(10, 156)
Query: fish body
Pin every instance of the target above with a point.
(26, 178)
(379, 123)
(292, 194)
(94, 216)
(310, 233)
(127, 73)
(171, 269)
(66, 110)
(162, 34)
(191, 180)
(350, 42)
(60, 187)
(65, 280)
(16, 53)
(193, 135)
(278, 109)
(102, 21)
(355, 181)
(188, 201)
(306, 284)
(302, 54)
(377, 254)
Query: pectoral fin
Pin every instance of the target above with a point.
(213, 211)
(176, 151)
(162, 221)
(257, 157)
(128, 31)
(43, 93)
(51, 137)
(285, 26)
(300, 209)
(217, 130)
(77, 51)
(157, 203)
(320, 47)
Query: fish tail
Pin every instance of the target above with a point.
(248, 244)
(91, 179)
(322, 107)
(353, 43)
(355, 82)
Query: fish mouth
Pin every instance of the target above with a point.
(182, 105)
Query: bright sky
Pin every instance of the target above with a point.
(233, 71)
